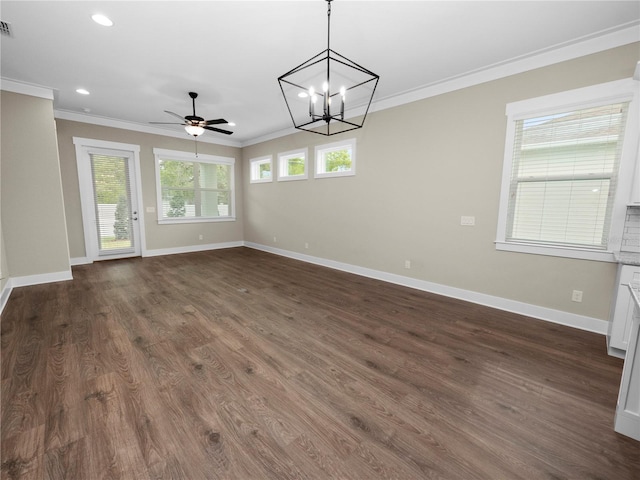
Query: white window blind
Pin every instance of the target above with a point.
(111, 186)
(564, 175)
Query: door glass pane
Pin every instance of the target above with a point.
(113, 204)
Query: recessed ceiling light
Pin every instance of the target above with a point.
(82, 91)
(102, 20)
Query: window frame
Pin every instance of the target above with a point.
(592, 96)
(254, 169)
(284, 156)
(320, 150)
(175, 155)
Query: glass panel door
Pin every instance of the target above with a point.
(114, 204)
(112, 200)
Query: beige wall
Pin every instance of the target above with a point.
(157, 236)
(33, 217)
(419, 168)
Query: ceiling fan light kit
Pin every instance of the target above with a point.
(194, 130)
(195, 125)
(317, 91)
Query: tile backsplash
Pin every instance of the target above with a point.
(631, 233)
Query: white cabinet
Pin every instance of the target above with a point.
(627, 419)
(622, 312)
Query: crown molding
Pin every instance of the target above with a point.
(559, 53)
(136, 127)
(581, 47)
(26, 88)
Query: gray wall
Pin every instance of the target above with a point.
(31, 190)
(420, 167)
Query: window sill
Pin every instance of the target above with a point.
(566, 252)
(174, 221)
(292, 178)
(347, 173)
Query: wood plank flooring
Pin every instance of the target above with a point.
(238, 364)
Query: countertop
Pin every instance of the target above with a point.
(628, 258)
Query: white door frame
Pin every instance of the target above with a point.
(85, 181)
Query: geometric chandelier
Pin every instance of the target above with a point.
(317, 91)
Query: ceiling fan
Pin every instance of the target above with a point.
(195, 125)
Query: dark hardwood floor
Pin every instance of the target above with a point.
(238, 364)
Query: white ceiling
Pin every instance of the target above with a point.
(232, 52)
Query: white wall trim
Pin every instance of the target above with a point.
(28, 280)
(83, 148)
(79, 261)
(514, 66)
(26, 89)
(588, 45)
(5, 294)
(191, 248)
(40, 278)
(542, 313)
(137, 127)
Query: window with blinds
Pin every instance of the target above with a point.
(112, 199)
(190, 190)
(564, 174)
(567, 177)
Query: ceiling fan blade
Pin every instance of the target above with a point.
(167, 123)
(219, 130)
(217, 121)
(174, 114)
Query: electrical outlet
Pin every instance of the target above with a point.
(467, 221)
(274, 239)
(407, 264)
(306, 245)
(576, 296)
(200, 237)
(151, 209)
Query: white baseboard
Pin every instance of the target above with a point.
(4, 295)
(79, 261)
(628, 423)
(41, 278)
(191, 248)
(27, 280)
(581, 322)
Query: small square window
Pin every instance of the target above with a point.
(292, 165)
(261, 170)
(336, 159)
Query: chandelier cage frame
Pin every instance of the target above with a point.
(355, 82)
